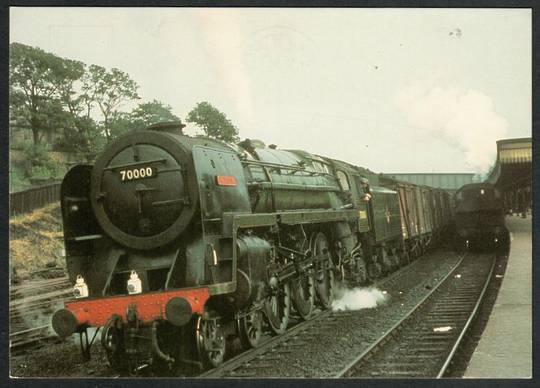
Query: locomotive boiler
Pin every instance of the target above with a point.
(177, 243)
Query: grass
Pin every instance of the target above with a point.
(36, 239)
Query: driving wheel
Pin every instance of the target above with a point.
(250, 329)
(278, 308)
(303, 295)
(324, 269)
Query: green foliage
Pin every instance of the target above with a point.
(37, 154)
(82, 135)
(109, 89)
(81, 132)
(213, 122)
(152, 112)
(42, 172)
(40, 164)
(56, 100)
(35, 80)
(54, 97)
(119, 124)
(17, 179)
(142, 116)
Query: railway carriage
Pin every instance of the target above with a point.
(436, 208)
(177, 243)
(424, 213)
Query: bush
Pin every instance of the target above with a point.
(40, 164)
(17, 180)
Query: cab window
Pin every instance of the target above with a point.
(343, 180)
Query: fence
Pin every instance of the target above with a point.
(25, 201)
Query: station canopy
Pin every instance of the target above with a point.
(514, 164)
(448, 181)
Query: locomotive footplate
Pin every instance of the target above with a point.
(175, 306)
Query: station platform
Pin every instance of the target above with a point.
(505, 349)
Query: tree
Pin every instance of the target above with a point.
(213, 122)
(142, 116)
(121, 123)
(81, 132)
(109, 89)
(35, 78)
(150, 113)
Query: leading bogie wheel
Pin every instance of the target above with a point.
(210, 342)
(324, 269)
(112, 340)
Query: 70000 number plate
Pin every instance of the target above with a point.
(137, 173)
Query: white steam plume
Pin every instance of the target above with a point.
(357, 298)
(224, 42)
(464, 118)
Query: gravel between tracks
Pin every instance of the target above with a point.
(329, 352)
(326, 354)
(415, 350)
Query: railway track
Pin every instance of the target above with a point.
(421, 344)
(25, 338)
(424, 341)
(248, 363)
(30, 308)
(17, 292)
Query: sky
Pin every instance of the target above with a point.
(392, 90)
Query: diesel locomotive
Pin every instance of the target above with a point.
(479, 219)
(177, 243)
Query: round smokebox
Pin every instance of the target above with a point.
(144, 191)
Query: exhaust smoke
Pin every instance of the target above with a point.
(464, 118)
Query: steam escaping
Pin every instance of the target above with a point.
(465, 118)
(30, 317)
(358, 298)
(224, 44)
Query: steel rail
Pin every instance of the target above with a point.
(25, 302)
(389, 333)
(468, 323)
(266, 346)
(25, 337)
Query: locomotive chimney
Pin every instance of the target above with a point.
(167, 126)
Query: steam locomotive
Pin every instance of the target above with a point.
(479, 219)
(176, 243)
